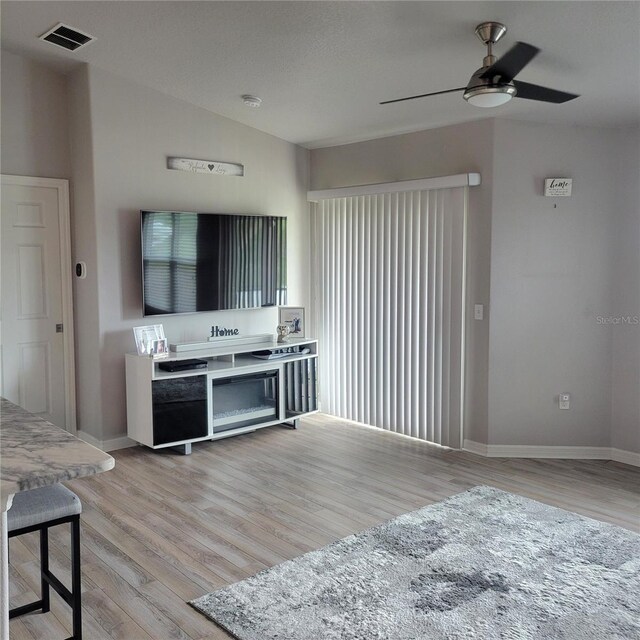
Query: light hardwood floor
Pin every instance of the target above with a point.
(162, 528)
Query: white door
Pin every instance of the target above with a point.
(36, 332)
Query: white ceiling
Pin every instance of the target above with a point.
(322, 67)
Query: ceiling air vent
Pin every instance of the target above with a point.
(67, 37)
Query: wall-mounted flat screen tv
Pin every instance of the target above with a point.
(209, 262)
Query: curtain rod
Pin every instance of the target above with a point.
(441, 182)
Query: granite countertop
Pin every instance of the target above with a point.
(35, 453)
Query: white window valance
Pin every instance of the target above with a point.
(423, 184)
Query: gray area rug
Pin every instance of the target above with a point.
(481, 564)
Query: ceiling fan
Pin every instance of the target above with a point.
(494, 84)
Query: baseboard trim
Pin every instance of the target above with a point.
(107, 445)
(479, 448)
(567, 453)
(626, 457)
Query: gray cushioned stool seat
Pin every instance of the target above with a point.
(33, 507)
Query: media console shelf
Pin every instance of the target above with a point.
(236, 393)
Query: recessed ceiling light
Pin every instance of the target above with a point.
(251, 101)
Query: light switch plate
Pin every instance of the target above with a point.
(478, 312)
(564, 401)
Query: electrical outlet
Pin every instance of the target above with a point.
(564, 401)
(478, 312)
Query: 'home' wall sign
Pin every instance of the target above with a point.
(211, 167)
(557, 186)
(220, 332)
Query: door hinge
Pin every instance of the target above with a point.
(59, 328)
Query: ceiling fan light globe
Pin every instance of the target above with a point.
(488, 97)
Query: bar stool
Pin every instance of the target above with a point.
(37, 510)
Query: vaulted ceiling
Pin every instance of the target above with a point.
(321, 68)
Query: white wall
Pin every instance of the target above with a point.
(436, 152)
(35, 136)
(132, 130)
(551, 276)
(625, 401)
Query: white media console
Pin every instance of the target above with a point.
(236, 392)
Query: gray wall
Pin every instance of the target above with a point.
(449, 150)
(35, 134)
(625, 416)
(36, 141)
(111, 139)
(551, 276)
(549, 272)
(122, 165)
(86, 303)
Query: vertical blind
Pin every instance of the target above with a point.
(389, 272)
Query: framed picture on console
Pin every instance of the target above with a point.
(151, 341)
(293, 317)
(159, 349)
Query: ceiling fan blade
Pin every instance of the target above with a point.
(544, 94)
(512, 62)
(423, 95)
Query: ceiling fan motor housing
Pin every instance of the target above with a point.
(477, 82)
(479, 86)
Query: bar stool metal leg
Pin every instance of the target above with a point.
(44, 569)
(76, 578)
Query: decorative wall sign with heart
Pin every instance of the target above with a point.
(205, 166)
